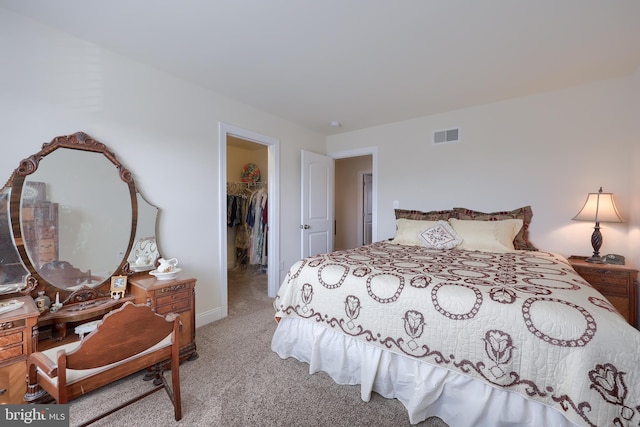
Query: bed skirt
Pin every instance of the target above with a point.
(423, 389)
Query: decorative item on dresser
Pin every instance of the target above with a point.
(170, 296)
(18, 339)
(616, 282)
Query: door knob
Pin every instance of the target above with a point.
(305, 227)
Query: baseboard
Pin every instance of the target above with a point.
(209, 316)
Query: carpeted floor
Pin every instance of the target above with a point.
(239, 381)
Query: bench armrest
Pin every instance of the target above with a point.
(41, 361)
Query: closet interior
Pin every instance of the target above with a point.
(247, 202)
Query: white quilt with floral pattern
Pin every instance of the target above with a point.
(520, 321)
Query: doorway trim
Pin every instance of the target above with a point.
(373, 152)
(273, 208)
(361, 175)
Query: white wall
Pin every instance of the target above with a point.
(634, 214)
(163, 129)
(547, 151)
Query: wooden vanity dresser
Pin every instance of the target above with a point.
(18, 339)
(171, 296)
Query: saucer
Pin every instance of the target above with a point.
(165, 276)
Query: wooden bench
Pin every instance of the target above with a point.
(128, 340)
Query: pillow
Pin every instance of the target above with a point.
(425, 216)
(440, 236)
(408, 230)
(521, 241)
(490, 236)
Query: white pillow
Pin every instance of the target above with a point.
(440, 236)
(408, 230)
(490, 236)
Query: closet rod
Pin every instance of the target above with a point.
(248, 184)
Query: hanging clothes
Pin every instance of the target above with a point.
(247, 212)
(257, 207)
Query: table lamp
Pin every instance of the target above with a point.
(598, 208)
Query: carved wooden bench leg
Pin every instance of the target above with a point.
(37, 395)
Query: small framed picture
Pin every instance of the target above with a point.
(118, 286)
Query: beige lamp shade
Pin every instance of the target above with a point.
(599, 207)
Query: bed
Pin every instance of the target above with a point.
(461, 317)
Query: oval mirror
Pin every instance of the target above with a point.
(73, 213)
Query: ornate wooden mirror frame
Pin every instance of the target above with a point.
(35, 278)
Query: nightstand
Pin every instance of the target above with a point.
(617, 283)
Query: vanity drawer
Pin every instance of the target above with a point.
(46, 245)
(9, 339)
(173, 296)
(12, 352)
(48, 233)
(175, 307)
(27, 213)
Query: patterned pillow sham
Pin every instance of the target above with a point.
(425, 216)
(408, 230)
(521, 241)
(440, 236)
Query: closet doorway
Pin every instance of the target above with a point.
(256, 251)
(247, 202)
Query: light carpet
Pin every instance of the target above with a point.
(239, 381)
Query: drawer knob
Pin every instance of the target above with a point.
(3, 391)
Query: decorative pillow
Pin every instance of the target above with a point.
(408, 230)
(521, 241)
(425, 216)
(491, 236)
(440, 236)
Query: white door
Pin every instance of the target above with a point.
(317, 204)
(367, 208)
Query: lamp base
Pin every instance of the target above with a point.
(596, 243)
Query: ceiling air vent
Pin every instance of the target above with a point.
(448, 135)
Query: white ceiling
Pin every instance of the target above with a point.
(361, 62)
